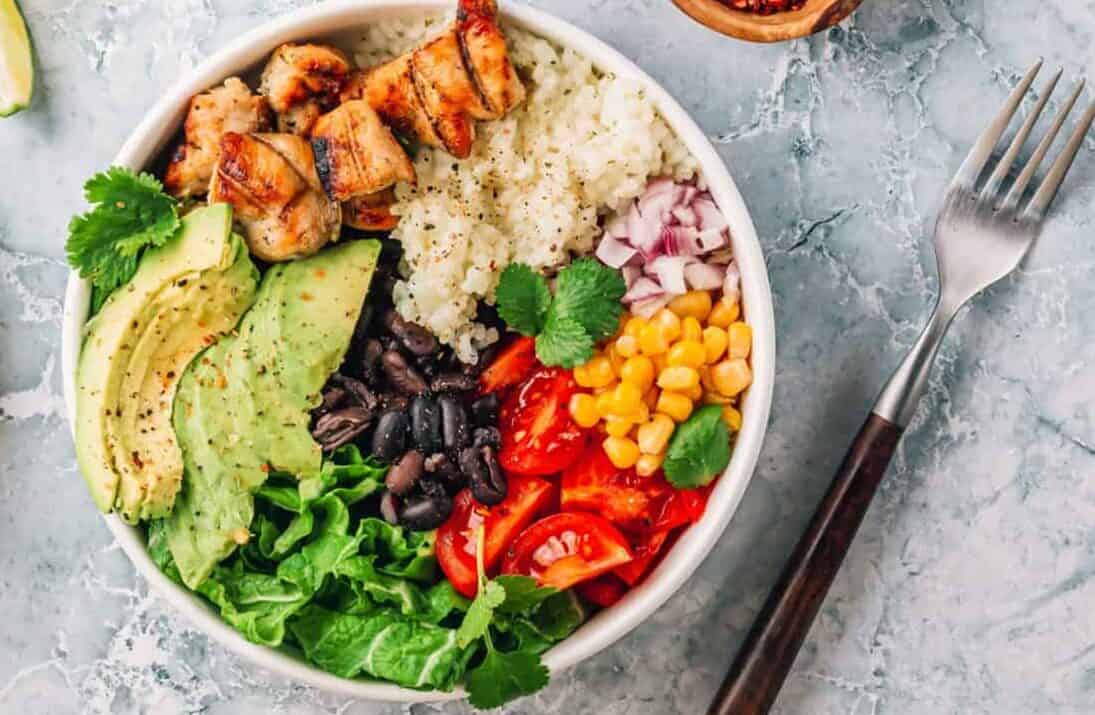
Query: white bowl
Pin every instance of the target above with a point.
(337, 18)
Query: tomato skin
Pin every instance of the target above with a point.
(526, 497)
(603, 591)
(538, 435)
(599, 548)
(510, 367)
(647, 549)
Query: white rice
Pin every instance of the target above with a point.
(582, 145)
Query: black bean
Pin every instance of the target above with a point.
(333, 397)
(357, 390)
(426, 424)
(403, 377)
(389, 508)
(442, 468)
(452, 382)
(370, 361)
(390, 436)
(414, 338)
(392, 401)
(423, 512)
(454, 423)
(486, 437)
(405, 473)
(484, 411)
(337, 428)
(485, 477)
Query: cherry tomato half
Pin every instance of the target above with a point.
(538, 435)
(646, 549)
(564, 549)
(603, 591)
(526, 497)
(510, 367)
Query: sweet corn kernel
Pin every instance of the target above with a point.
(627, 346)
(694, 394)
(674, 404)
(614, 357)
(648, 464)
(680, 378)
(694, 303)
(618, 426)
(724, 313)
(650, 399)
(652, 340)
(691, 329)
(634, 326)
(670, 324)
(638, 370)
(686, 352)
(621, 451)
(607, 388)
(731, 376)
(583, 409)
(599, 372)
(713, 397)
(741, 340)
(604, 403)
(640, 415)
(732, 418)
(715, 341)
(654, 435)
(626, 399)
(660, 363)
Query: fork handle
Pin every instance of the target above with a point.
(770, 649)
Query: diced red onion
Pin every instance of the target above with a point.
(685, 215)
(710, 240)
(617, 227)
(631, 273)
(661, 195)
(642, 289)
(647, 308)
(670, 273)
(731, 284)
(679, 241)
(613, 252)
(690, 194)
(710, 218)
(703, 276)
(644, 234)
(720, 257)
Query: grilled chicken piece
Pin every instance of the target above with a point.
(228, 108)
(434, 92)
(356, 154)
(302, 82)
(371, 212)
(270, 180)
(484, 49)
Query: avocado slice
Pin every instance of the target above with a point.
(244, 406)
(184, 295)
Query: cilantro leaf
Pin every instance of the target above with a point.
(523, 594)
(501, 677)
(130, 213)
(699, 449)
(479, 615)
(589, 292)
(563, 342)
(523, 299)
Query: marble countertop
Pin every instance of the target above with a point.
(969, 589)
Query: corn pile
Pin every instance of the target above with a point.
(647, 378)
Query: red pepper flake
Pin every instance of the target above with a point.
(765, 7)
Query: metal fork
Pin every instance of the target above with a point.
(985, 227)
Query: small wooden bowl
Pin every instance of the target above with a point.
(814, 16)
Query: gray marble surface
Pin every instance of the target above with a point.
(970, 587)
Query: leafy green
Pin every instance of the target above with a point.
(699, 449)
(523, 594)
(523, 299)
(586, 308)
(501, 677)
(130, 212)
(564, 342)
(477, 619)
(589, 292)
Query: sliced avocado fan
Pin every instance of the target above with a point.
(243, 408)
(16, 65)
(184, 295)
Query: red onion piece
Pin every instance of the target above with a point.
(710, 218)
(679, 241)
(731, 284)
(670, 273)
(631, 273)
(710, 240)
(685, 215)
(613, 252)
(645, 234)
(703, 276)
(643, 288)
(647, 308)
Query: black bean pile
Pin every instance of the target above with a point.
(407, 400)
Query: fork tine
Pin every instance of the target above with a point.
(1002, 167)
(1015, 195)
(1044, 196)
(979, 155)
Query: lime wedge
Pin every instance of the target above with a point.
(16, 67)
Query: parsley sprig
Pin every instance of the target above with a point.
(586, 308)
(130, 212)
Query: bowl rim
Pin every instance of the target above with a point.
(160, 124)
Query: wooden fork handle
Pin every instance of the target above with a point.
(770, 649)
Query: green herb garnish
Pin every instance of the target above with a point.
(586, 308)
(130, 212)
(699, 450)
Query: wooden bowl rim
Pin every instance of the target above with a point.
(814, 16)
